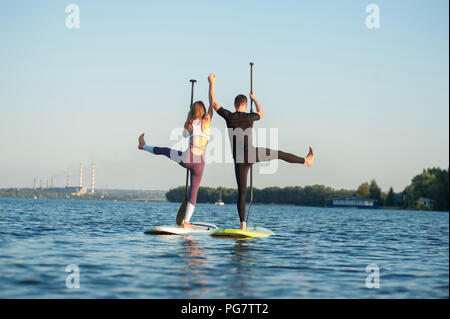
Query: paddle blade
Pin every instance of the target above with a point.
(182, 211)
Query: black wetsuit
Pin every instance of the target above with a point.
(245, 154)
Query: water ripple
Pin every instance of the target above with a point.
(316, 252)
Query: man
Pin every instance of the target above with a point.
(240, 126)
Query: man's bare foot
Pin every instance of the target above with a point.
(186, 226)
(309, 158)
(141, 142)
(243, 225)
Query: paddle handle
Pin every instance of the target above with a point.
(180, 215)
(251, 85)
(251, 167)
(192, 102)
(192, 91)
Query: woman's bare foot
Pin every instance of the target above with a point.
(243, 225)
(186, 226)
(141, 142)
(309, 158)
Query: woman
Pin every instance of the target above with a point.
(197, 127)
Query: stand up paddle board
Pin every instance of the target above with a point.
(178, 230)
(250, 232)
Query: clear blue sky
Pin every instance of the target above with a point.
(374, 103)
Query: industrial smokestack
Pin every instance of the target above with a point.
(40, 184)
(93, 179)
(34, 184)
(52, 184)
(68, 180)
(81, 175)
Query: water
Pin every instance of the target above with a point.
(317, 252)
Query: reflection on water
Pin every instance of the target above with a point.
(196, 269)
(195, 261)
(241, 258)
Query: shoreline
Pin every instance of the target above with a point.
(383, 208)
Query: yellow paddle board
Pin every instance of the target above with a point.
(250, 232)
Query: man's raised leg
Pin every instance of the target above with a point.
(266, 154)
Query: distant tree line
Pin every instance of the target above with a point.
(432, 184)
(21, 193)
(125, 195)
(315, 195)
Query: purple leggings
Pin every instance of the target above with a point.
(194, 163)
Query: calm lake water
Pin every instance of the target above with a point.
(316, 252)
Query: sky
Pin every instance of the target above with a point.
(372, 102)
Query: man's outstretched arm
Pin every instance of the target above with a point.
(212, 94)
(259, 109)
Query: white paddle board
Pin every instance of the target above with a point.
(198, 227)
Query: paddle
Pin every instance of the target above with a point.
(182, 209)
(251, 167)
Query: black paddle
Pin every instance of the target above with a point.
(251, 167)
(182, 209)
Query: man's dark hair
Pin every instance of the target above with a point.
(240, 99)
